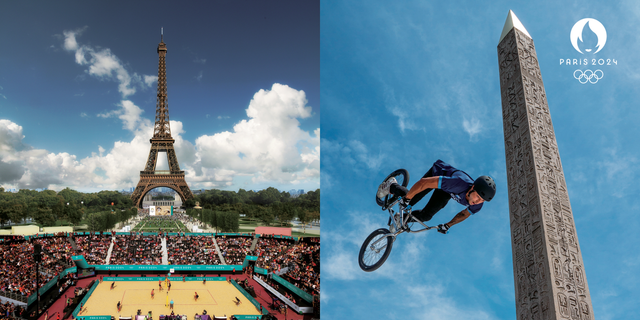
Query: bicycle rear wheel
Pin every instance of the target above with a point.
(402, 177)
(372, 256)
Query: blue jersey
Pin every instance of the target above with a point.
(455, 182)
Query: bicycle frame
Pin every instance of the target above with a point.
(404, 227)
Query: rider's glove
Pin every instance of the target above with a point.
(443, 228)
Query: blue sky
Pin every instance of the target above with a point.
(405, 85)
(78, 92)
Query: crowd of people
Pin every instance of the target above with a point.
(10, 311)
(17, 266)
(190, 250)
(296, 261)
(94, 247)
(268, 249)
(234, 249)
(57, 253)
(136, 249)
(301, 260)
(304, 267)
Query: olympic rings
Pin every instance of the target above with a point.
(588, 76)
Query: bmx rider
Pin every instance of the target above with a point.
(447, 183)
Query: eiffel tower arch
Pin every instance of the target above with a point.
(161, 142)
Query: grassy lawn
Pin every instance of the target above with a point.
(155, 224)
(300, 234)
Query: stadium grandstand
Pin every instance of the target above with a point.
(160, 274)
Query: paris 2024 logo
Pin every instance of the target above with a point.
(588, 37)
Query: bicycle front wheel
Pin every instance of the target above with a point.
(375, 250)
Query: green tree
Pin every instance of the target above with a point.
(267, 196)
(16, 211)
(74, 213)
(58, 209)
(285, 212)
(70, 195)
(94, 221)
(265, 215)
(4, 211)
(44, 216)
(305, 217)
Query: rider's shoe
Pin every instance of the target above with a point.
(398, 222)
(399, 219)
(383, 189)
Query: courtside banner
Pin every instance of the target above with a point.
(248, 296)
(32, 298)
(277, 294)
(166, 268)
(80, 262)
(260, 270)
(245, 263)
(177, 279)
(178, 233)
(84, 300)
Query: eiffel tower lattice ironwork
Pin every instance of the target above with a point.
(161, 141)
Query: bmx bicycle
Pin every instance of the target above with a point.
(377, 246)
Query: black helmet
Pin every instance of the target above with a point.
(485, 187)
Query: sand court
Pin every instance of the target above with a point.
(217, 296)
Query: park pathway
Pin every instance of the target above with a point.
(106, 260)
(215, 242)
(254, 243)
(165, 254)
(74, 246)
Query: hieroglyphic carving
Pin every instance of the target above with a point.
(547, 263)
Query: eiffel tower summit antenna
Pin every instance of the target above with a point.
(161, 142)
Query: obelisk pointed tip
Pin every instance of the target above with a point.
(512, 22)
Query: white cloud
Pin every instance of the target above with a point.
(2, 95)
(199, 76)
(200, 61)
(104, 65)
(83, 114)
(130, 114)
(150, 80)
(353, 154)
(221, 117)
(269, 146)
(472, 127)
(273, 146)
(400, 109)
(70, 43)
(615, 164)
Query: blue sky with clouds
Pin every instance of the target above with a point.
(78, 92)
(405, 85)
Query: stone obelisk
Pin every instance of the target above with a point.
(550, 281)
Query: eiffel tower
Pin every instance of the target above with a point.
(161, 141)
